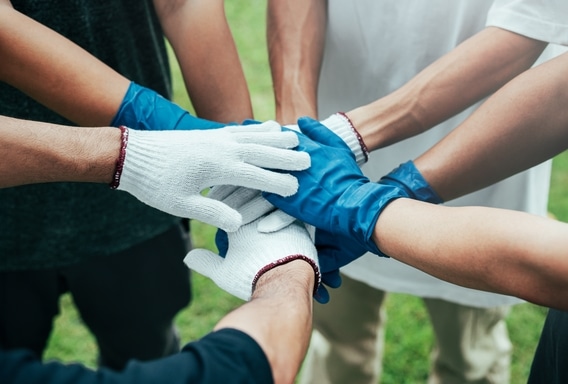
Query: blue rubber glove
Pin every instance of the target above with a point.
(144, 109)
(333, 194)
(409, 178)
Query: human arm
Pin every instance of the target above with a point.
(204, 47)
(56, 72)
(295, 37)
(496, 250)
(262, 341)
(471, 71)
(167, 170)
(521, 125)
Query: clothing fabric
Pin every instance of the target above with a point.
(226, 356)
(57, 224)
(472, 344)
(127, 300)
(373, 48)
(549, 363)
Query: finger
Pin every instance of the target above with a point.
(280, 139)
(268, 126)
(239, 197)
(322, 295)
(222, 242)
(249, 176)
(320, 133)
(204, 262)
(275, 221)
(211, 212)
(275, 158)
(220, 192)
(255, 208)
(332, 278)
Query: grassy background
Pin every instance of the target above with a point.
(408, 340)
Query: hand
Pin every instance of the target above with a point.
(333, 194)
(250, 254)
(144, 109)
(168, 169)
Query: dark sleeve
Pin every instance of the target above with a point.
(226, 356)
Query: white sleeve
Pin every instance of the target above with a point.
(545, 20)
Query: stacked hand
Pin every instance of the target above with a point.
(168, 170)
(250, 253)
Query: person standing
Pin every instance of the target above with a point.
(83, 62)
(339, 56)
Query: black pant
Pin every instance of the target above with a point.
(128, 300)
(550, 363)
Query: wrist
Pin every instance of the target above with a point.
(342, 126)
(295, 272)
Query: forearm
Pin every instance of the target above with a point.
(296, 35)
(203, 44)
(470, 72)
(56, 72)
(34, 152)
(279, 317)
(483, 248)
(523, 124)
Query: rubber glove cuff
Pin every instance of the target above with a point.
(409, 178)
(145, 109)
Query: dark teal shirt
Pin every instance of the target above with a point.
(59, 224)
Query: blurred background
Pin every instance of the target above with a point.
(405, 358)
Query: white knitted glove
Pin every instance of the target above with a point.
(250, 254)
(251, 205)
(168, 169)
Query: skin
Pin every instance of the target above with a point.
(67, 79)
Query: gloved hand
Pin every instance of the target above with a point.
(407, 177)
(250, 254)
(252, 206)
(340, 124)
(144, 109)
(333, 194)
(168, 169)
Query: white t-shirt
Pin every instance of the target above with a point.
(375, 46)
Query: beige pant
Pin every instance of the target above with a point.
(472, 344)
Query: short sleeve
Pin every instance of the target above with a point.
(545, 20)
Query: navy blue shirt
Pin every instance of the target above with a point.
(226, 356)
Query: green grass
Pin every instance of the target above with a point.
(408, 337)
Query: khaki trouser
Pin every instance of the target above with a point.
(472, 344)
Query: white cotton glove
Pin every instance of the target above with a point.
(168, 169)
(250, 254)
(251, 205)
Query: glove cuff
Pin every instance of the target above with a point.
(341, 125)
(121, 156)
(409, 178)
(286, 260)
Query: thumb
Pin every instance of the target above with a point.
(203, 261)
(212, 212)
(320, 133)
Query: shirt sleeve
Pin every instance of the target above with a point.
(226, 356)
(545, 20)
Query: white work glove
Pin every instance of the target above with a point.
(168, 170)
(250, 254)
